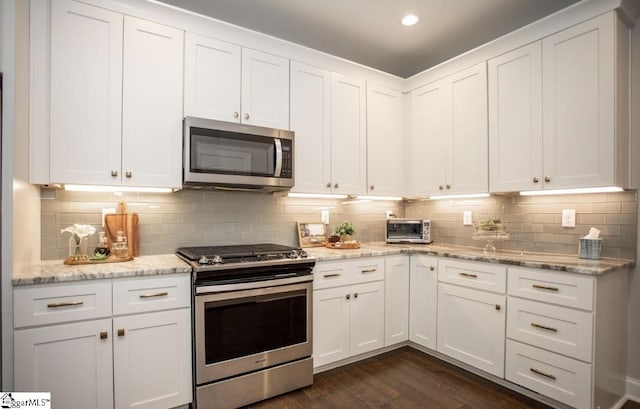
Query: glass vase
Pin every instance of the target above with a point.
(78, 247)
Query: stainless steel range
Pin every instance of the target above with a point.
(252, 322)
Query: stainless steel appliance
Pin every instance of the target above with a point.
(228, 155)
(252, 311)
(408, 231)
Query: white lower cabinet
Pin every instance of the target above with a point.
(348, 319)
(423, 300)
(471, 327)
(67, 342)
(396, 299)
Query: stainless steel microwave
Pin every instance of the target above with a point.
(228, 155)
(408, 231)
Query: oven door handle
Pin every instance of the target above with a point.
(208, 289)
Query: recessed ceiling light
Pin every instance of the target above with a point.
(409, 20)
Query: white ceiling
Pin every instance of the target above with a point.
(369, 31)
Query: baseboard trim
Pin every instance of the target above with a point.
(633, 389)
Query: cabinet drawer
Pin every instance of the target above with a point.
(558, 329)
(571, 290)
(53, 303)
(483, 276)
(367, 269)
(330, 274)
(558, 377)
(151, 294)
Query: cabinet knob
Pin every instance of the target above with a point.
(355, 295)
(536, 180)
(348, 296)
(440, 187)
(448, 186)
(372, 187)
(498, 307)
(114, 173)
(335, 186)
(547, 179)
(432, 268)
(246, 116)
(127, 174)
(236, 114)
(328, 184)
(121, 332)
(104, 335)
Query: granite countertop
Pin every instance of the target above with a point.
(548, 261)
(54, 271)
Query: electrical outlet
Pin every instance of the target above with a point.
(467, 219)
(390, 214)
(324, 216)
(569, 218)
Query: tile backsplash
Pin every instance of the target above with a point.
(192, 217)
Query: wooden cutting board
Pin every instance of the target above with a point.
(128, 224)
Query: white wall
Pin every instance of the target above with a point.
(20, 200)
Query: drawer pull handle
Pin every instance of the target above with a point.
(544, 287)
(160, 294)
(539, 372)
(468, 275)
(65, 304)
(534, 324)
(104, 334)
(370, 270)
(121, 332)
(331, 275)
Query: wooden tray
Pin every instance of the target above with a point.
(343, 246)
(71, 262)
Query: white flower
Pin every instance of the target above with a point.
(79, 231)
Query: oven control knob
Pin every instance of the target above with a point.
(216, 259)
(203, 260)
(293, 254)
(302, 253)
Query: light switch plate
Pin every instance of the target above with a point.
(467, 219)
(569, 218)
(324, 216)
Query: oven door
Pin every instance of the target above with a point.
(242, 331)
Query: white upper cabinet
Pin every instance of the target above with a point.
(116, 109)
(231, 83)
(265, 89)
(385, 141)
(585, 101)
(515, 120)
(448, 143)
(311, 122)
(212, 78)
(348, 135)
(86, 93)
(152, 104)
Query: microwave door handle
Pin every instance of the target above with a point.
(278, 168)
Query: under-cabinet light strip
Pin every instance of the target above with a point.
(607, 189)
(115, 189)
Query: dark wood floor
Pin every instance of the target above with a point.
(401, 379)
(404, 378)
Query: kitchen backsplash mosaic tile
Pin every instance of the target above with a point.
(191, 217)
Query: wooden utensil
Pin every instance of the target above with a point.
(128, 224)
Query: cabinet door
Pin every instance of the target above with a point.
(330, 325)
(212, 78)
(385, 142)
(71, 361)
(423, 300)
(471, 327)
(578, 104)
(152, 359)
(467, 165)
(367, 317)
(152, 105)
(311, 122)
(428, 139)
(265, 89)
(86, 94)
(348, 137)
(515, 120)
(396, 299)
